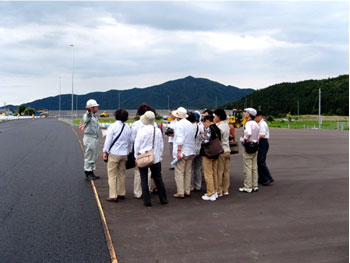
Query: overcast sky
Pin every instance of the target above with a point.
(121, 45)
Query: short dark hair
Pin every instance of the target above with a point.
(208, 118)
(208, 111)
(143, 108)
(191, 117)
(259, 113)
(221, 114)
(121, 115)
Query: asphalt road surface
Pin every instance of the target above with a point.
(48, 212)
(303, 217)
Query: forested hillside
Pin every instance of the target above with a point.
(284, 97)
(188, 92)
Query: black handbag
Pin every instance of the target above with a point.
(251, 147)
(169, 131)
(131, 162)
(234, 147)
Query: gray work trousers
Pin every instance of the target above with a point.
(91, 152)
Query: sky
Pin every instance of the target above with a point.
(122, 45)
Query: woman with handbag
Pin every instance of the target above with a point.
(148, 153)
(115, 152)
(210, 152)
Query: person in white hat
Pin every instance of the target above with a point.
(135, 127)
(150, 138)
(250, 142)
(90, 140)
(184, 151)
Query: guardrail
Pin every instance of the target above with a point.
(12, 118)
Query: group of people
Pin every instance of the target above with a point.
(199, 145)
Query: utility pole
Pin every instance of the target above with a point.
(319, 109)
(72, 79)
(119, 101)
(298, 108)
(59, 103)
(76, 106)
(168, 104)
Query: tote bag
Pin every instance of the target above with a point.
(146, 159)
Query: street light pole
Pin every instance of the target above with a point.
(319, 109)
(59, 104)
(72, 79)
(298, 107)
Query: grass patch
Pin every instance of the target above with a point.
(310, 124)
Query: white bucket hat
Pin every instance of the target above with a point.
(181, 112)
(148, 118)
(251, 111)
(91, 103)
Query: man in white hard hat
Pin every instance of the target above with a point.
(250, 142)
(90, 141)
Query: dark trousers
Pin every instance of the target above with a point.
(263, 171)
(156, 170)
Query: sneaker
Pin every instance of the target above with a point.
(216, 195)
(178, 196)
(219, 195)
(267, 182)
(209, 198)
(243, 189)
(226, 193)
(255, 189)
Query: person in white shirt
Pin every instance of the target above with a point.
(196, 178)
(223, 175)
(265, 177)
(150, 137)
(184, 151)
(250, 143)
(135, 127)
(171, 136)
(117, 154)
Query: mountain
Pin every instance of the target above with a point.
(283, 98)
(188, 92)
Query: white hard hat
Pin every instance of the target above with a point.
(251, 111)
(91, 103)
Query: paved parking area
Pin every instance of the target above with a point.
(303, 217)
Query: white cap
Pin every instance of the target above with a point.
(91, 103)
(251, 111)
(181, 112)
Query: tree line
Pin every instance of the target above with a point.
(300, 98)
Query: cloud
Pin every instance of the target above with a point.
(127, 44)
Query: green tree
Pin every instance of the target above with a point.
(29, 111)
(21, 109)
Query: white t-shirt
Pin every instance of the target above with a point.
(264, 129)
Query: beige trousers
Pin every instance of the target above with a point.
(183, 173)
(250, 170)
(210, 174)
(137, 182)
(116, 175)
(223, 174)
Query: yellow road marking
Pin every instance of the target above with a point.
(109, 241)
